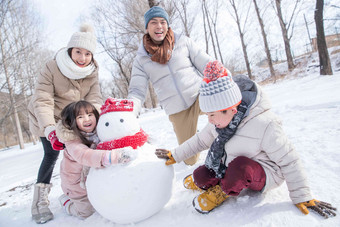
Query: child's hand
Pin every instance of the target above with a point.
(322, 208)
(124, 155)
(165, 154)
(120, 155)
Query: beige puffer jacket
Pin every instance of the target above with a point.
(53, 91)
(259, 137)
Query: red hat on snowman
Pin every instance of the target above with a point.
(114, 105)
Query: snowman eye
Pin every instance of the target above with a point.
(122, 120)
(107, 124)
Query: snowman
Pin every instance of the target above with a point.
(127, 193)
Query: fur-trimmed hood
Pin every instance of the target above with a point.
(65, 134)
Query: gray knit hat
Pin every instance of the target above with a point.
(155, 11)
(218, 90)
(85, 38)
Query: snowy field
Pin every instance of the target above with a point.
(309, 107)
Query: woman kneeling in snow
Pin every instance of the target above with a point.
(248, 148)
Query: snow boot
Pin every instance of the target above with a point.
(209, 200)
(40, 211)
(188, 183)
(65, 202)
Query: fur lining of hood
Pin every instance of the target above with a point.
(65, 134)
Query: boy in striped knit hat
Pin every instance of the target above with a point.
(247, 146)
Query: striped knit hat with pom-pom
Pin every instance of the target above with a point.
(218, 90)
(85, 38)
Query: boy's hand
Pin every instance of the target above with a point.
(322, 208)
(165, 154)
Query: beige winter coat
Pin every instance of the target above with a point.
(260, 138)
(53, 91)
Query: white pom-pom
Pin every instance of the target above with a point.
(86, 28)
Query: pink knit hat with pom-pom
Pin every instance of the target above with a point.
(218, 90)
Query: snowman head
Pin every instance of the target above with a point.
(117, 120)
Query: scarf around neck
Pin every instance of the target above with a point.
(92, 137)
(69, 69)
(160, 53)
(216, 152)
(134, 141)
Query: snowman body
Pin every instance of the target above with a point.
(132, 192)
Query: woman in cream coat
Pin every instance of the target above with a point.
(71, 76)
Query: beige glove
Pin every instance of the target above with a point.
(322, 208)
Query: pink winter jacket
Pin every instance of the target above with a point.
(76, 156)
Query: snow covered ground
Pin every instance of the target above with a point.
(309, 107)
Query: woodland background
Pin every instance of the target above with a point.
(249, 37)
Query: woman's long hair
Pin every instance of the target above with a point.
(69, 115)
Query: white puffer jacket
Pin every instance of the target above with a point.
(260, 138)
(177, 82)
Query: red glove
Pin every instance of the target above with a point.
(56, 144)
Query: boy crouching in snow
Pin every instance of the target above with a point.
(247, 146)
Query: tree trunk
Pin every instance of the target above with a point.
(209, 26)
(266, 46)
(205, 30)
(11, 97)
(244, 47)
(284, 31)
(325, 63)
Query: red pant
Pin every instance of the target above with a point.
(242, 173)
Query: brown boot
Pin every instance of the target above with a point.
(188, 183)
(40, 211)
(209, 200)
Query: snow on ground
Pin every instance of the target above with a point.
(309, 107)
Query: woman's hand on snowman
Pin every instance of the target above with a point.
(165, 154)
(322, 208)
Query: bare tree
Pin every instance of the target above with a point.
(266, 46)
(182, 10)
(205, 27)
(9, 50)
(325, 63)
(212, 22)
(209, 27)
(285, 26)
(120, 29)
(19, 44)
(241, 29)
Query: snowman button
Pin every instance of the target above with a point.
(107, 124)
(122, 120)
